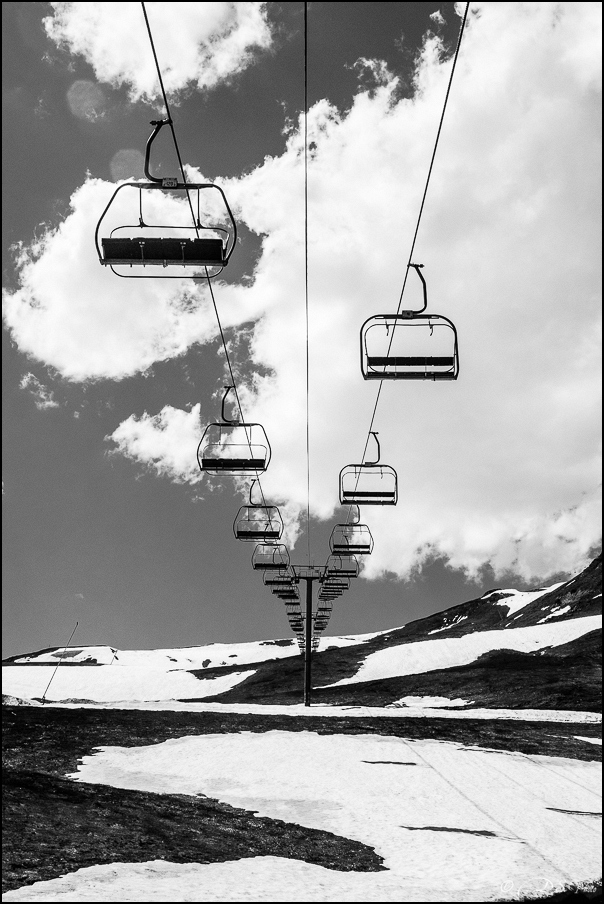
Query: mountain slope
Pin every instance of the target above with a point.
(537, 649)
(559, 674)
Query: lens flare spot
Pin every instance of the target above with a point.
(86, 100)
(127, 163)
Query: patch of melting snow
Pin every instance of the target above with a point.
(430, 702)
(555, 613)
(110, 684)
(455, 621)
(589, 740)
(518, 599)
(483, 816)
(442, 653)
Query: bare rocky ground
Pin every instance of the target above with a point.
(54, 825)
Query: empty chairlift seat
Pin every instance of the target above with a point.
(396, 347)
(233, 448)
(198, 238)
(258, 523)
(370, 483)
(410, 345)
(355, 539)
(342, 566)
(283, 579)
(270, 557)
(147, 251)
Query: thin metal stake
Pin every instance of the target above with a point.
(58, 664)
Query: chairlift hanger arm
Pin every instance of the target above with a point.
(158, 123)
(418, 269)
(235, 422)
(374, 433)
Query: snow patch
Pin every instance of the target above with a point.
(115, 683)
(555, 613)
(428, 655)
(518, 599)
(452, 823)
(455, 621)
(432, 702)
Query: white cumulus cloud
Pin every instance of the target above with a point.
(166, 441)
(197, 44)
(499, 467)
(43, 397)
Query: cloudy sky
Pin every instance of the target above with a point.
(108, 383)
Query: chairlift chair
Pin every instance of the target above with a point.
(258, 522)
(290, 595)
(135, 247)
(233, 447)
(278, 579)
(351, 538)
(336, 582)
(411, 345)
(270, 557)
(370, 483)
(285, 590)
(344, 566)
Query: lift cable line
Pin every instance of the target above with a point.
(207, 276)
(167, 106)
(334, 581)
(421, 210)
(270, 557)
(306, 275)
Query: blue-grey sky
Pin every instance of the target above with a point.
(108, 383)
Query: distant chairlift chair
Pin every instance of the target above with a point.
(351, 537)
(370, 483)
(258, 522)
(233, 447)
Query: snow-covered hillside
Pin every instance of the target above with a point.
(458, 753)
(454, 654)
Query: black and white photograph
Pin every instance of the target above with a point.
(301, 482)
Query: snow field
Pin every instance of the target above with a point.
(429, 655)
(114, 683)
(452, 823)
